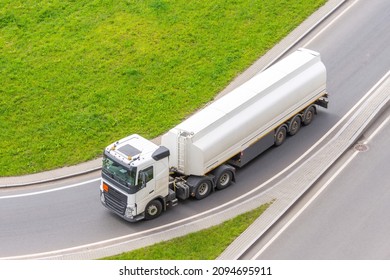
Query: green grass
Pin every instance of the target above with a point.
(206, 244)
(78, 75)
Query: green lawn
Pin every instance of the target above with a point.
(207, 244)
(78, 75)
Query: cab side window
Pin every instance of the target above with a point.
(145, 175)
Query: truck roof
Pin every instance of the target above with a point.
(131, 148)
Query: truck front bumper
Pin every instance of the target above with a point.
(128, 213)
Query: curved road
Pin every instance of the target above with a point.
(355, 51)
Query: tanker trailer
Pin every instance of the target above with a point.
(141, 179)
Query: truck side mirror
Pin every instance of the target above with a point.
(143, 179)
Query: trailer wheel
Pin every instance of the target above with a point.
(224, 180)
(153, 209)
(308, 115)
(280, 135)
(295, 125)
(202, 189)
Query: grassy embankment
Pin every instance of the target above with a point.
(77, 75)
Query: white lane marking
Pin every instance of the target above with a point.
(377, 130)
(326, 184)
(330, 23)
(48, 191)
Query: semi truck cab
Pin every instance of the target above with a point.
(135, 175)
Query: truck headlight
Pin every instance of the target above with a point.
(130, 212)
(102, 198)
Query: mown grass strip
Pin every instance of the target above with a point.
(207, 244)
(77, 75)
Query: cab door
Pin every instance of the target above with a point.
(147, 184)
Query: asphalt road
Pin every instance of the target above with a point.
(350, 218)
(356, 53)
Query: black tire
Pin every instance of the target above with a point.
(295, 125)
(153, 209)
(224, 179)
(308, 115)
(203, 189)
(280, 135)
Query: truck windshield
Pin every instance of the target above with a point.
(119, 172)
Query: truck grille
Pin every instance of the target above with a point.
(115, 200)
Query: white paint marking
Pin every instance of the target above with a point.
(330, 23)
(49, 191)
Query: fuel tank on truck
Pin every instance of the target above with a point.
(246, 114)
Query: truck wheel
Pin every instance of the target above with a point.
(224, 180)
(295, 125)
(203, 189)
(280, 135)
(308, 115)
(153, 209)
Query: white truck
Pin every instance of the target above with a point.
(141, 179)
